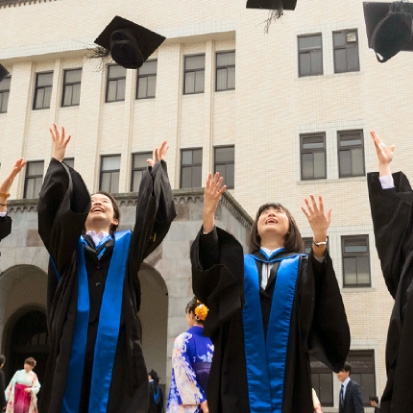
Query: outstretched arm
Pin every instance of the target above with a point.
(319, 221)
(384, 154)
(60, 141)
(212, 194)
(7, 183)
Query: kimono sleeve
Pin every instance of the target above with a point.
(63, 205)
(221, 286)
(391, 211)
(329, 338)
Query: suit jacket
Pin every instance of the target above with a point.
(353, 400)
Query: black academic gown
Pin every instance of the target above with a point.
(5, 226)
(318, 324)
(64, 203)
(392, 214)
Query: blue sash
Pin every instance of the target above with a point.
(266, 360)
(108, 330)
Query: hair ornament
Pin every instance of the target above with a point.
(201, 311)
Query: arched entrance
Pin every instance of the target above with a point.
(27, 332)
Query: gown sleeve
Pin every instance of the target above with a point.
(5, 226)
(218, 276)
(64, 203)
(391, 211)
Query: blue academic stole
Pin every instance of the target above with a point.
(108, 329)
(266, 359)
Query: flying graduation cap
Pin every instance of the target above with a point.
(389, 28)
(271, 4)
(3, 72)
(128, 43)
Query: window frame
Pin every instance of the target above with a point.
(105, 172)
(5, 93)
(310, 51)
(354, 255)
(70, 86)
(306, 151)
(227, 182)
(115, 80)
(322, 381)
(196, 72)
(44, 88)
(138, 169)
(146, 76)
(36, 178)
(192, 165)
(350, 133)
(224, 67)
(348, 46)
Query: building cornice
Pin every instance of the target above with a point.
(15, 3)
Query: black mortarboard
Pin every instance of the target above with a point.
(129, 44)
(3, 72)
(271, 4)
(389, 28)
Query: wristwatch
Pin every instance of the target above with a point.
(318, 244)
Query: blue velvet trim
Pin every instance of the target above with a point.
(266, 360)
(109, 324)
(71, 398)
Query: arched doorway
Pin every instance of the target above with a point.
(28, 337)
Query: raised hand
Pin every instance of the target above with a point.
(384, 154)
(60, 141)
(7, 183)
(214, 188)
(319, 221)
(159, 154)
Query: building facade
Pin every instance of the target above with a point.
(281, 115)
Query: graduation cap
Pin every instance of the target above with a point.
(129, 44)
(389, 28)
(271, 4)
(3, 72)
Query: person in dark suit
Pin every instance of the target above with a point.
(5, 220)
(350, 399)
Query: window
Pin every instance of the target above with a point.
(350, 153)
(139, 166)
(71, 87)
(191, 168)
(69, 162)
(4, 94)
(346, 52)
(194, 74)
(33, 179)
(43, 90)
(356, 261)
(313, 156)
(225, 75)
(310, 55)
(146, 84)
(322, 382)
(224, 164)
(116, 82)
(363, 372)
(109, 173)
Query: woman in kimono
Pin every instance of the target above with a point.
(22, 389)
(191, 363)
(391, 201)
(5, 220)
(268, 309)
(95, 360)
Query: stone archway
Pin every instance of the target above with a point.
(153, 316)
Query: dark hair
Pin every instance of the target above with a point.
(374, 399)
(190, 307)
(199, 309)
(346, 367)
(293, 241)
(116, 209)
(30, 361)
(2, 359)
